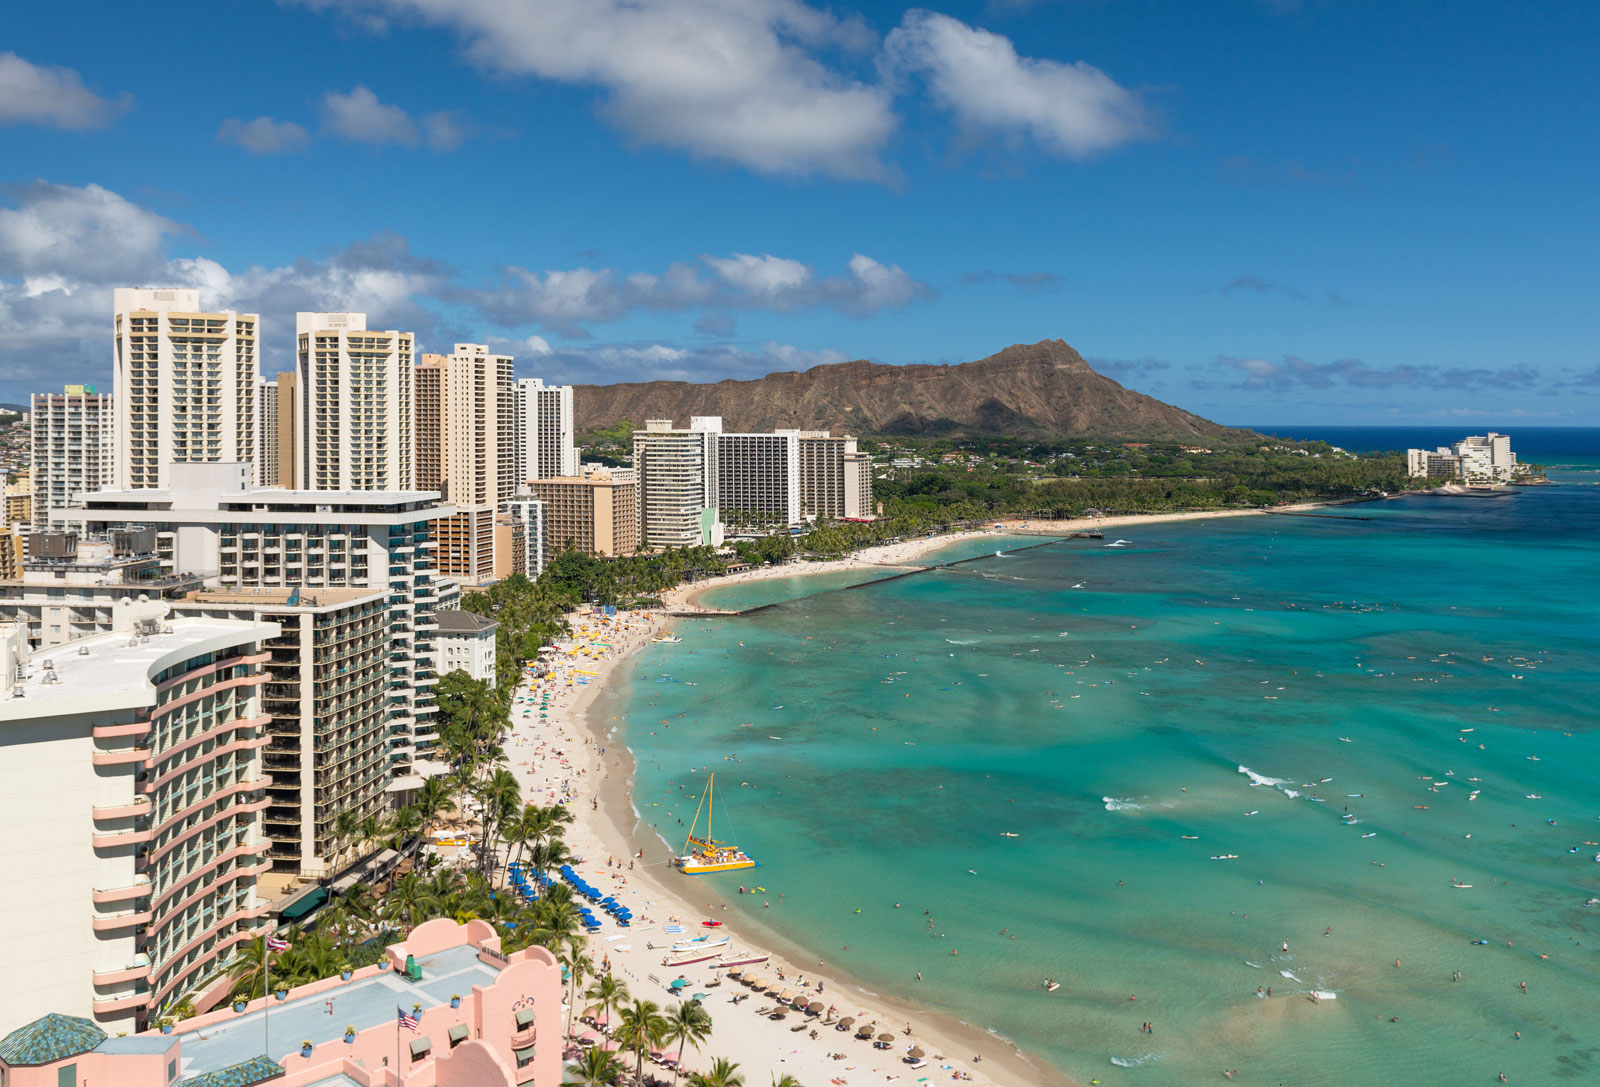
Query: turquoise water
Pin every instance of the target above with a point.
(873, 745)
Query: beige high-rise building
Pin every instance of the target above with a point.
(597, 514)
(287, 392)
(267, 433)
(355, 395)
(464, 404)
(184, 383)
(72, 446)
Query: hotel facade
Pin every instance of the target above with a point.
(131, 789)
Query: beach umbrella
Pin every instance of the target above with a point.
(916, 1053)
(734, 973)
(786, 996)
(886, 1037)
(847, 1022)
(864, 1032)
(814, 1008)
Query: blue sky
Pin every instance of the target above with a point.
(1262, 210)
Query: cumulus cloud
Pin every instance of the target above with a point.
(64, 233)
(1292, 372)
(264, 136)
(360, 117)
(1073, 109)
(1128, 371)
(742, 81)
(52, 97)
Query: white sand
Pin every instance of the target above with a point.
(559, 758)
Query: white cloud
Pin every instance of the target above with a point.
(1068, 109)
(42, 94)
(605, 363)
(360, 117)
(264, 136)
(88, 234)
(734, 80)
(566, 299)
(765, 276)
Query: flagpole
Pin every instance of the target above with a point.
(397, 1051)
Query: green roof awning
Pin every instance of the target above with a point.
(297, 909)
(50, 1038)
(524, 1055)
(420, 1046)
(458, 1032)
(526, 1016)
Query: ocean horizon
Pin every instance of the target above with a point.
(1210, 740)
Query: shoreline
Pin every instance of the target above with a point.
(905, 555)
(600, 769)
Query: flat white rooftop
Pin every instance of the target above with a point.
(112, 671)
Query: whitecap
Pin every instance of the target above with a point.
(1133, 1062)
(1127, 803)
(962, 641)
(1291, 977)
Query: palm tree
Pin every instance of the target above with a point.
(687, 1024)
(248, 970)
(433, 800)
(606, 995)
(642, 1026)
(576, 962)
(347, 828)
(597, 1067)
(722, 1074)
(785, 1080)
(410, 900)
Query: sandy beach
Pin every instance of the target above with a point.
(568, 756)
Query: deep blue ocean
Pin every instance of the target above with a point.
(1367, 734)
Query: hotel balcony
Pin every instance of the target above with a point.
(137, 970)
(139, 805)
(124, 757)
(116, 838)
(139, 889)
(126, 919)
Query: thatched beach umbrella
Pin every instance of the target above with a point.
(847, 1022)
(916, 1053)
(865, 1032)
(814, 1008)
(886, 1037)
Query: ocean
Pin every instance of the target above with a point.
(1342, 756)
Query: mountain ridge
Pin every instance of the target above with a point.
(1044, 389)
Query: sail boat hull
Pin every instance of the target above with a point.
(694, 865)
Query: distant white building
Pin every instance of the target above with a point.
(542, 431)
(1477, 458)
(466, 642)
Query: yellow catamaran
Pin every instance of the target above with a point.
(702, 855)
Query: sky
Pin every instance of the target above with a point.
(1264, 211)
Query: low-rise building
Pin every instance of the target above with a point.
(597, 514)
(131, 792)
(505, 1029)
(466, 642)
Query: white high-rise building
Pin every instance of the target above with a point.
(267, 433)
(131, 790)
(356, 412)
(542, 431)
(184, 381)
(73, 446)
(676, 472)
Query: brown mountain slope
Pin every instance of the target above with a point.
(1027, 390)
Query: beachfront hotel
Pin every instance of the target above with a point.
(213, 520)
(484, 1018)
(355, 401)
(677, 477)
(519, 537)
(598, 514)
(185, 384)
(758, 481)
(131, 791)
(325, 698)
(835, 477)
(465, 451)
(72, 446)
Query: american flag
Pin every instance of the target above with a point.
(275, 944)
(407, 1020)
